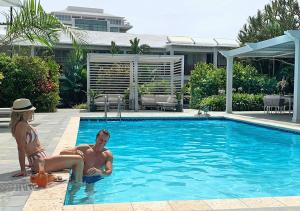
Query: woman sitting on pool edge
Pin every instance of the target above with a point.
(28, 144)
(97, 159)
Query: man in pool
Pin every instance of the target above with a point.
(97, 159)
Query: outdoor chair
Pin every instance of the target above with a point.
(148, 101)
(114, 100)
(166, 102)
(275, 102)
(101, 101)
(5, 112)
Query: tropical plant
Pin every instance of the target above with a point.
(277, 17)
(136, 48)
(73, 83)
(31, 22)
(114, 49)
(207, 80)
(30, 77)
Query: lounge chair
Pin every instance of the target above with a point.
(148, 101)
(5, 112)
(101, 101)
(114, 100)
(166, 102)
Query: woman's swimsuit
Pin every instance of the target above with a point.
(31, 136)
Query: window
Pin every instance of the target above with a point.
(92, 25)
(114, 29)
(115, 21)
(63, 17)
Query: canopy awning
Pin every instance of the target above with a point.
(10, 3)
(285, 46)
(280, 47)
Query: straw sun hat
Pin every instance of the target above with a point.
(21, 105)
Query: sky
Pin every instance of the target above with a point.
(196, 18)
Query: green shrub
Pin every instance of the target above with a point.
(32, 78)
(240, 102)
(207, 80)
(80, 106)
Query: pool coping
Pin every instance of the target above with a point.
(52, 198)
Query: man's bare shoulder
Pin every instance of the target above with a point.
(108, 154)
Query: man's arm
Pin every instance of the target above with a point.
(95, 171)
(79, 150)
(108, 164)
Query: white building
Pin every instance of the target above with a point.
(92, 19)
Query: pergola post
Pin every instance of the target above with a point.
(296, 108)
(229, 70)
(172, 77)
(215, 57)
(136, 83)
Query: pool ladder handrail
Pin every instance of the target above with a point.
(119, 108)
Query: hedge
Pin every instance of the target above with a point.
(240, 102)
(207, 80)
(32, 78)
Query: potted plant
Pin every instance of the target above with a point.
(178, 98)
(93, 95)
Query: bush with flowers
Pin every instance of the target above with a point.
(32, 78)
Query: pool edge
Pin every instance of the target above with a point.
(53, 197)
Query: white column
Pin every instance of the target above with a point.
(182, 77)
(229, 71)
(296, 106)
(215, 57)
(131, 86)
(136, 83)
(171, 52)
(88, 80)
(172, 77)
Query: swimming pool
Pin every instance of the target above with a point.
(158, 160)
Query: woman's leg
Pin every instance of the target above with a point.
(59, 162)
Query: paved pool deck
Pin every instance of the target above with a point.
(56, 132)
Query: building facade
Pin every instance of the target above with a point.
(92, 19)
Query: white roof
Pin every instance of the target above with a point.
(10, 3)
(85, 12)
(226, 42)
(180, 40)
(98, 38)
(121, 39)
(205, 42)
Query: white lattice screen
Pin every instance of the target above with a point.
(149, 74)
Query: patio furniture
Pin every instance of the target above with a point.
(288, 101)
(162, 102)
(148, 101)
(166, 102)
(5, 112)
(114, 100)
(101, 102)
(275, 102)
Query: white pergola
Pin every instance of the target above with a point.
(285, 46)
(115, 74)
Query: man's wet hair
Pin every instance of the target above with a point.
(103, 131)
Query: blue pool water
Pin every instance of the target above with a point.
(191, 159)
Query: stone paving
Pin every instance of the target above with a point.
(14, 192)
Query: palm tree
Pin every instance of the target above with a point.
(136, 48)
(114, 49)
(32, 23)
